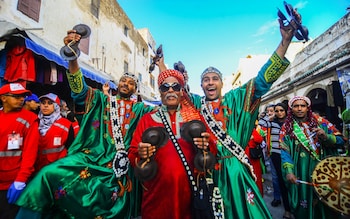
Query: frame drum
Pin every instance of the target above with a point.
(331, 179)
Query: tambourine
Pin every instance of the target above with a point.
(331, 181)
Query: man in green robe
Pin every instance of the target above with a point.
(231, 119)
(94, 180)
(306, 139)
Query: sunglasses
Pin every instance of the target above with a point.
(165, 87)
(16, 96)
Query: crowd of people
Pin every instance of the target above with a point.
(36, 134)
(51, 166)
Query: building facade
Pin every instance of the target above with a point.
(114, 46)
(319, 69)
(317, 72)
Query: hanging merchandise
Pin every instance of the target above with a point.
(20, 64)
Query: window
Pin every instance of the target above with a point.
(126, 67)
(126, 29)
(151, 79)
(140, 77)
(95, 7)
(31, 8)
(84, 45)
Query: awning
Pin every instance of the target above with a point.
(40, 47)
(152, 103)
(88, 72)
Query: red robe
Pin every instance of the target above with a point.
(168, 194)
(255, 140)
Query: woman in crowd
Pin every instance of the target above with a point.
(56, 132)
(275, 153)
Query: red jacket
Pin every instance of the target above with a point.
(76, 127)
(20, 64)
(53, 145)
(17, 163)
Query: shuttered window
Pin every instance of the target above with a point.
(31, 8)
(126, 67)
(95, 7)
(84, 45)
(152, 81)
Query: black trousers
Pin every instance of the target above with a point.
(276, 160)
(7, 211)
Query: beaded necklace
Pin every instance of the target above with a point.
(121, 161)
(124, 107)
(224, 138)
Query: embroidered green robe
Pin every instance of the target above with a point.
(241, 196)
(83, 184)
(301, 162)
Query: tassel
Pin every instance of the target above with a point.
(121, 190)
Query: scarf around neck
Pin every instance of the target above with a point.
(46, 121)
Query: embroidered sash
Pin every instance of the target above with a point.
(121, 161)
(225, 139)
(179, 151)
(305, 142)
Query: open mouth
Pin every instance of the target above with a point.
(211, 91)
(124, 89)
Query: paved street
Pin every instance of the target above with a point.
(277, 212)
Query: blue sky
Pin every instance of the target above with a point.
(217, 33)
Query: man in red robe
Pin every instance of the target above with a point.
(169, 193)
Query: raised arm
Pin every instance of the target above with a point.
(277, 63)
(73, 65)
(287, 33)
(160, 63)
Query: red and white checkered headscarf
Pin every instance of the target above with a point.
(171, 73)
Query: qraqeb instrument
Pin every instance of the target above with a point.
(331, 180)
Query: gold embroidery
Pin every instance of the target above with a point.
(75, 81)
(276, 68)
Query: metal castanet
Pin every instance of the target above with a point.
(204, 160)
(301, 32)
(71, 51)
(146, 169)
(159, 55)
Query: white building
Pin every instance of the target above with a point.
(114, 46)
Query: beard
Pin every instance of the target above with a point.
(125, 95)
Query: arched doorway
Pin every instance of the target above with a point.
(318, 97)
(320, 105)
